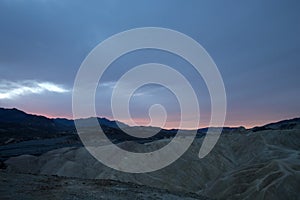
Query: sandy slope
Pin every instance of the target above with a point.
(244, 165)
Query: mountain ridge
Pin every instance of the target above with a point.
(106, 121)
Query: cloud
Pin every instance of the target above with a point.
(12, 90)
(145, 90)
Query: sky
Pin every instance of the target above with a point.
(255, 45)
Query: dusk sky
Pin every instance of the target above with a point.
(255, 45)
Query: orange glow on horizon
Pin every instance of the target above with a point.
(173, 124)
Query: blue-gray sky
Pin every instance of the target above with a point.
(255, 45)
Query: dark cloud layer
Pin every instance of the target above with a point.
(255, 44)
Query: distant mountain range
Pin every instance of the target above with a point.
(15, 116)
(17, 126)
(21, 126)
(22, 133)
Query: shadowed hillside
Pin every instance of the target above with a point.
(258, 163)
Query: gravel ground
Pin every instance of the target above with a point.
(29, 186)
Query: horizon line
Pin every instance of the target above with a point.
(266, 122)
